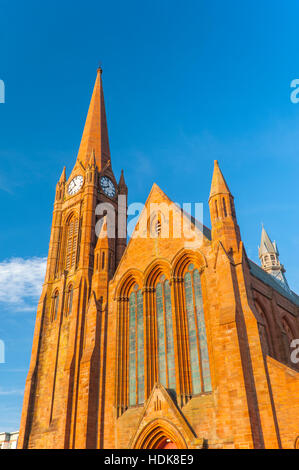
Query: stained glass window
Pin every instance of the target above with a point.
(136, 349)
(140, 348)
(161, 335)
(169, 337)
(132, 350)
(194, 359)
(198, 347)
(165, 346)
(204, 354)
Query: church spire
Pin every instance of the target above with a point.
(95, 134)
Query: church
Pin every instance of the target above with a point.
(166, 341)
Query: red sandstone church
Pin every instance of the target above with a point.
(157, 343)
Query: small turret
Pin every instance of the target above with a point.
(269, 257)
(91, 170)
(63, 176)
(223, 215)
(121, 241)
(104, 263)
(92, 161)
(60, 186)
(122, 187)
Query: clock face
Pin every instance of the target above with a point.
(75, 185)
(107, 186)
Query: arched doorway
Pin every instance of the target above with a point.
(167, 444)
(160, 434)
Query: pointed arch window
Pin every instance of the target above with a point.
(71, 242)
(264, 331)
(216, 209)
(69, 301)
(288, 331)
(224, 207)
(264, 336)
(155, 224)
(198, 347)
(158, 227)
(165, 341)
(136, 348)
(55, 303)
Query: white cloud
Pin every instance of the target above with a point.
(13, 391)
(21, 282)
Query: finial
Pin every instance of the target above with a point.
(62, 177)
(92, 160)
(100, 69)
(218, 185)
(122, 185)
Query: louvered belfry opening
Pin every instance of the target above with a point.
(71, 242)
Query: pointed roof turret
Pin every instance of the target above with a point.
(103, 241)
(225, 228)
(63, 176)
(95, 134)
(92, 161)
(267, 247)
(122, 187)
(218, 185)
(269, 257)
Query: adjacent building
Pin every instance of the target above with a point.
(9, 440)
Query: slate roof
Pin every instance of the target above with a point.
(255, 270)
(263, 276)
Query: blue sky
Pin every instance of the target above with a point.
(185, 82)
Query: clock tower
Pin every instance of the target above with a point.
(61, 402)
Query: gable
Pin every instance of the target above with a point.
(161, 416)
(162, 230)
